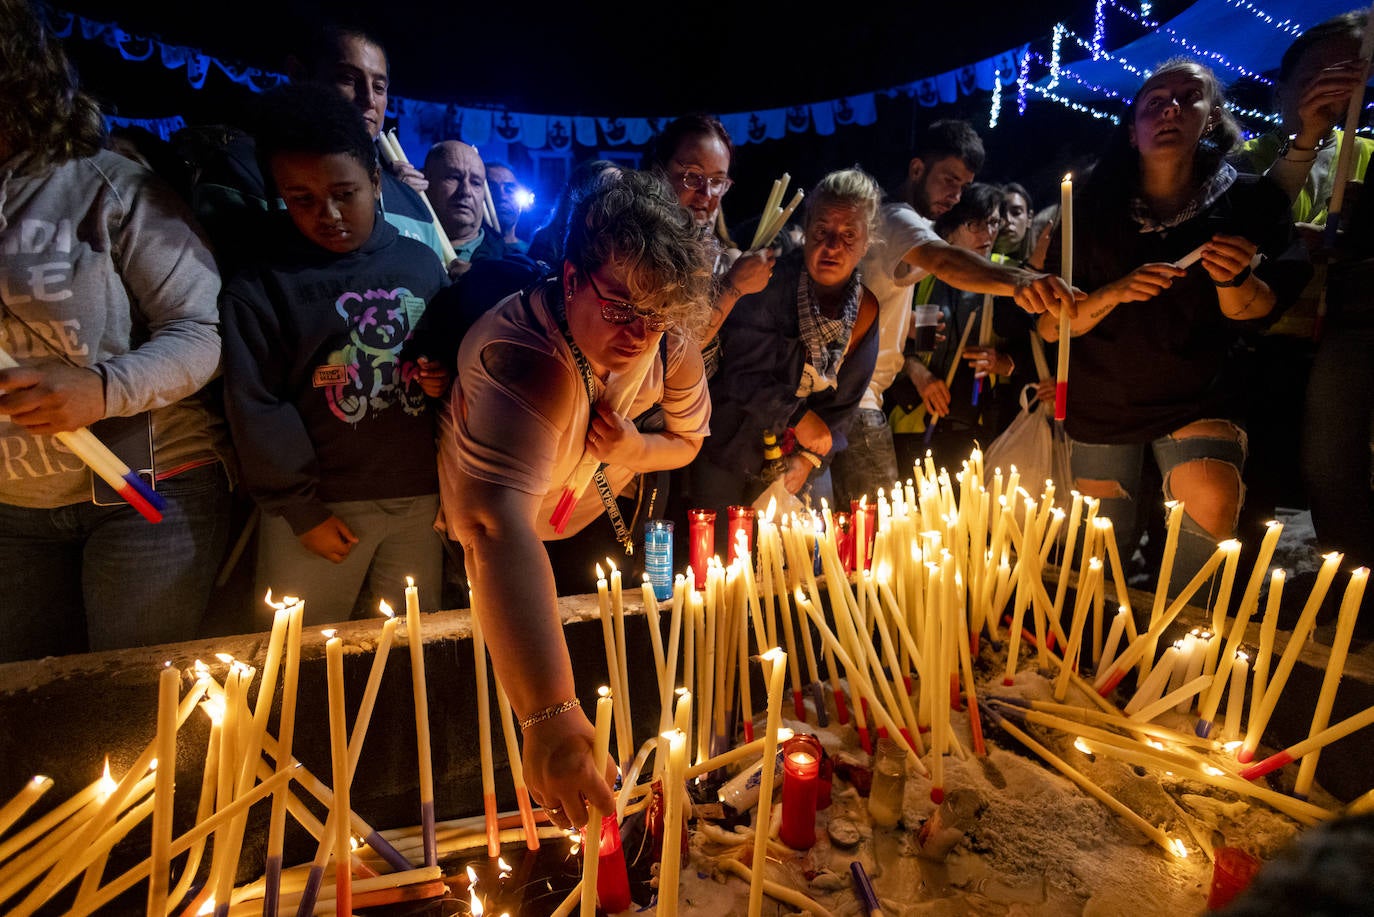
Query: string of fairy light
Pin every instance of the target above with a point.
(1095, 46)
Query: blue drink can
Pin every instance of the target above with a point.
(658, 557)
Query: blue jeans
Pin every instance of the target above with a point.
(1123, 463)
(868, 462)
(86, 577)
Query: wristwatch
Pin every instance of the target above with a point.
(1304, 154)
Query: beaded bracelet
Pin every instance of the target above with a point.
(548, 713)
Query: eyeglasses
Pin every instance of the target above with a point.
(620, 312)
(694, 180)
(991, 224)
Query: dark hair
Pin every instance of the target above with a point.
(322, 48)
(310, 118)
(549, 239)
(950, 137)
(636, 224)
(1115, 178)
(977, 202)
(1346, 25)
(1011, 188)
(666, 142)
(42, 109)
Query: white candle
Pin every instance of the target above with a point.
(1066, 271)
(670, 866)
(1235, 700)
(1289, 659)
(777, 661)
(591, 834)
(338, 755)
(159, 880)
(1335, 667)
(416, 641)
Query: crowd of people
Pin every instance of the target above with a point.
(365, 353)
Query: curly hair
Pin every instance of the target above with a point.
(42, 109)
(635, 224)
(311, 118)
(851, 187)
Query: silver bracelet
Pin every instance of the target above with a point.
(549, 713)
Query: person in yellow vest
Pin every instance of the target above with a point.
(1318, 74)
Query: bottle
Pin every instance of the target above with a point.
(889, 784)
(658, 557)
(774, 465)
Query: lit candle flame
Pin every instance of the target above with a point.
(225, 658)
(600, 576)
(386, 609)
(503, 866)
(214, 708)
(603, 691)
(1232, 746)
(329, 633)
(207, 908)
(410, 582)
(1080, 744)
(1176, 845)
(107, 783)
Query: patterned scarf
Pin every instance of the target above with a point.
(1206, 196)
(825, 339)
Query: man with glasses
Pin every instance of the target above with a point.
(545, 380)
(943, 164)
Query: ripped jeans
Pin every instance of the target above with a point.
(1112, 474)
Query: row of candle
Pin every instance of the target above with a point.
(60, 849)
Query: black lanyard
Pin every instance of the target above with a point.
(603, 488)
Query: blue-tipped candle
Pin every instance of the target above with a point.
(863, 887)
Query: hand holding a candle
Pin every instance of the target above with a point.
(51, 398)
(1045, 293)
(560, 771)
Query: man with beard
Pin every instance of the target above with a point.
(942, 165)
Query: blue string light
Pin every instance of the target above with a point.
(996, 108)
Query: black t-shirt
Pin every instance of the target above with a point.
(1149, 368)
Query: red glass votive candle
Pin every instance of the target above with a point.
(701, 533)
(612, 878)
(741, 519)
(801, 769)
(1231, 873)
(865, 523)
(844, 541)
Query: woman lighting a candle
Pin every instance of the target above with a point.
(536, 377)
(1150, 366)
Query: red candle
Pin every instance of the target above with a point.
(741, 519)
(702, 532)
(844, 541)
(801, 766)
(865, 516)
(612, 880)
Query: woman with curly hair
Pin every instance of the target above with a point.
(108, 306)
(538, 380)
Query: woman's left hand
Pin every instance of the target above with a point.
(612, 438)
(1226, 256)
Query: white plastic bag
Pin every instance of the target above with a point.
(1031, 444)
